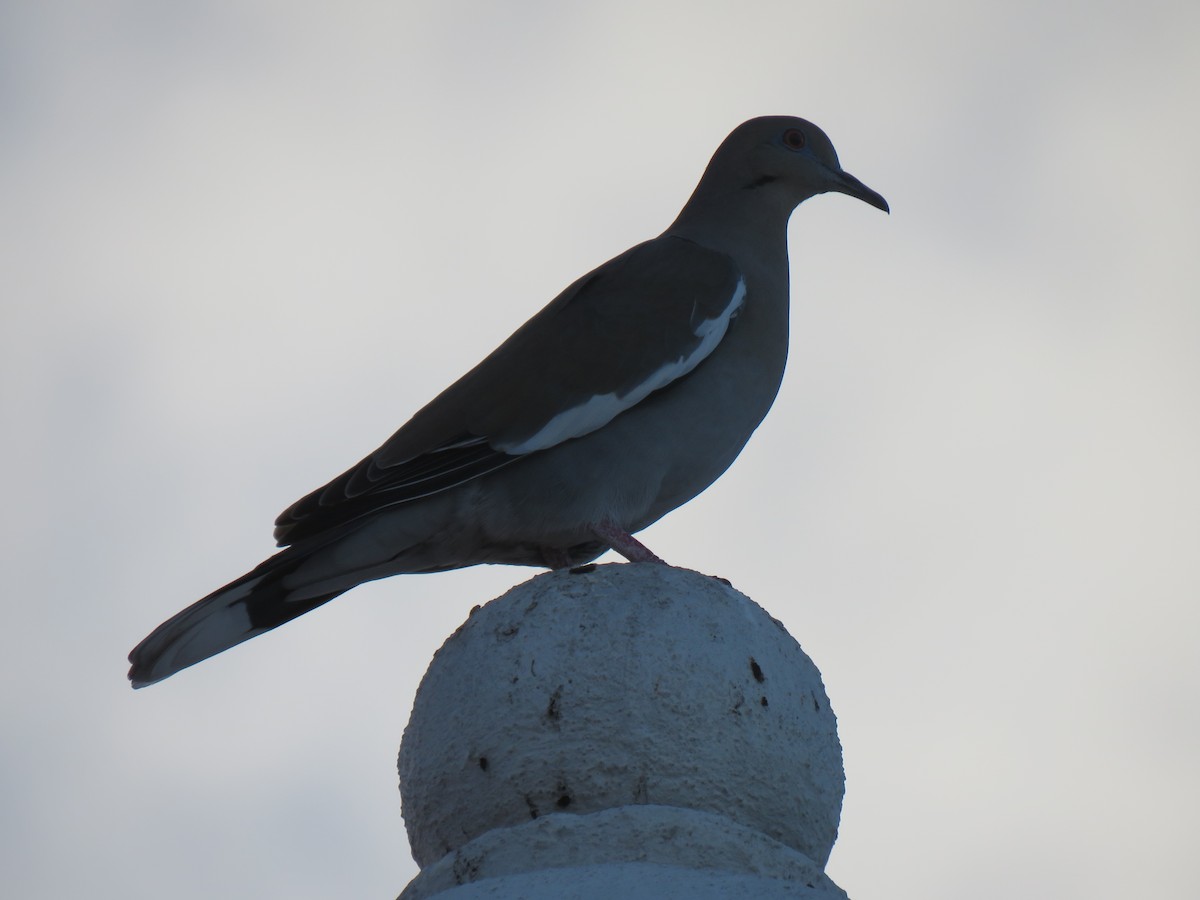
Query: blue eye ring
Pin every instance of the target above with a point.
(794, 139)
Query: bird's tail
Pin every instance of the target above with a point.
(248, 606)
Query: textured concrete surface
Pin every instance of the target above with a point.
(650, 844)
(622, 687)
(638, 881)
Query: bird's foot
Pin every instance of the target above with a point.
(626, 544)
(553, 558)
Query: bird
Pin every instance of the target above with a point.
(626, 396)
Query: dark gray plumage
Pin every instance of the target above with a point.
(629, 394)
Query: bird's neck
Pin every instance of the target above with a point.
(745, 223)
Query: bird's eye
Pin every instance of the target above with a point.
(794, 139)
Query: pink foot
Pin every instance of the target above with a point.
(626, 544)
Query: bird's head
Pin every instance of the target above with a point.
(771, 165)
(794, 152)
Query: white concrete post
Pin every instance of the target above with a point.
(633, 731)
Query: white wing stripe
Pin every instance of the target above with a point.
(601, 409)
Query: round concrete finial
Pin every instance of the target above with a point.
(622, 687)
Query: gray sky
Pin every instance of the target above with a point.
(243, 241)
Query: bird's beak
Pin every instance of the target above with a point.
(845, 183)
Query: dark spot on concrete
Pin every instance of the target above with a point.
(466, 869)
(584, 569)
(483, 763)
(816, 705)
(564, 794)
(756, 671)
(762, 700)
(553, 713)
(533, 810)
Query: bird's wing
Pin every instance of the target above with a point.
(631, 327)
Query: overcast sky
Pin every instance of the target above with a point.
(240, 242)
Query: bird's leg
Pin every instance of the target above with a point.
(625, 543)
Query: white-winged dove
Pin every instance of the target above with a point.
(627, 396)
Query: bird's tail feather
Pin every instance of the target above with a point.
(248, 606)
